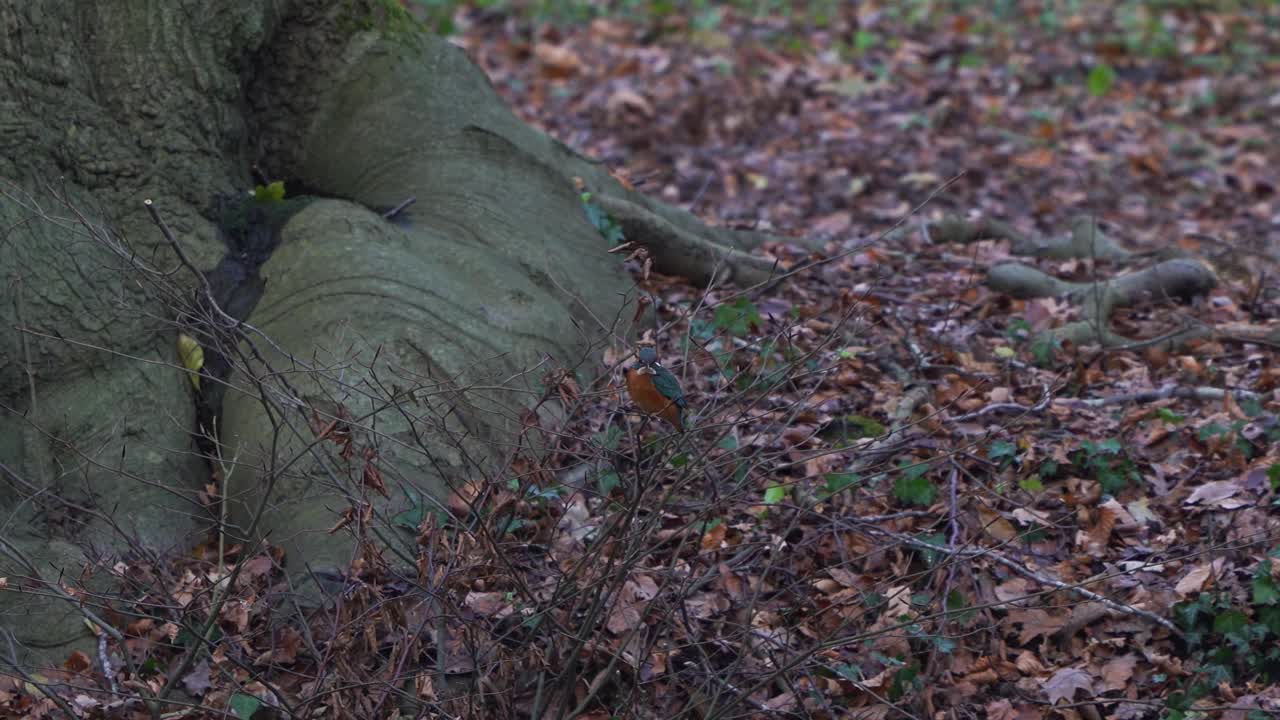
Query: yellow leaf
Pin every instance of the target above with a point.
(192, 356)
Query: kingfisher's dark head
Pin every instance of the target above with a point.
(647, 355)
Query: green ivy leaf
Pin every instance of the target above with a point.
(272, 193)
(1232, 622)
(1101, 78)
(1031, 484)
(412, 518)
(607, 481)
(1265, 591)
(867, 427)
(244, 706)
(914, 490)
(1002, 450)
(737, 318)
(864, 41)
(775, 494)
(1212, 430)
(609, 438)
(839, 482)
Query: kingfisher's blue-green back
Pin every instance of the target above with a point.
(667, 384)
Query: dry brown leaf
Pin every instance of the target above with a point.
(1028, 664)
(1217, 493)
(844, 577)
(1011, 590)
(1037, 159)
(627, 100)
(1001, 709)
(1117, 672)
(557, 61)
(995, 525)
(1195, 581)
(77, 662)
(487, 604)
(707, 604)
(1035, 623)
(1065, 683)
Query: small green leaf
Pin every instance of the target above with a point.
(1018, 329)
(1031, 484)
(192, 357)
(244, 706)
(607, 481)
(775, 494)
(1269, 616)
(868, 427)
(959, 605)
(728, 442)
(737, 318)
(1212, 430)
(1002, 450)
(1251, 407)
(272, 193)
(1004, 352)
(680, 460)
(412, 518)
(609, 438)
(1265, 591)
(839, 482)
(864, 41)
(1101, 78)
(915, 490)
(1043, 348)
(1232, 622)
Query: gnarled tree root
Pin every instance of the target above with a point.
(700, 253)
(1086, 239)
(1182, 278)
(1175, 278)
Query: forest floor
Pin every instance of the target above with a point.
(900, 496)
(1148, 477)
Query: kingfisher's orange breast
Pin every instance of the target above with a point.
(646, 396)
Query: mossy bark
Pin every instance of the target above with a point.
(495, 268)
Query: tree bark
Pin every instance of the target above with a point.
(493, 270)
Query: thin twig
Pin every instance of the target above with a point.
(399, 208)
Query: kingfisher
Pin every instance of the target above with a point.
(654, 389)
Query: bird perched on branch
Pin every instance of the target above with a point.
(654, 389)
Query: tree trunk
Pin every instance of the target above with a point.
(494, 269)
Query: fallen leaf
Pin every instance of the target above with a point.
(1001, 709)
(557, 61)
(1064, 684)
(1117, 673)
(77, 662)
(487, 604)
(1194, 581)
(1035, 623)
(628, 101)
(1213, 493)
(197, 682)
